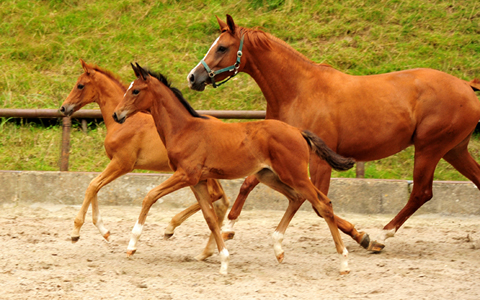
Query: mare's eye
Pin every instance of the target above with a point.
(135, 92)
(80, 86)
(222, 49)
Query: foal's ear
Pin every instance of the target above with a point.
(143, 74)
(85, 67)
(223, 25)
(135, 70)
(231, 24)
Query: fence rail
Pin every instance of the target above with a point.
(96, 114)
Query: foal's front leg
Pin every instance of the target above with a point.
(203, 198)
(177, 181)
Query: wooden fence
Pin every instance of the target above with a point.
(86, 114)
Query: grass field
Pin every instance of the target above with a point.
(41, 42)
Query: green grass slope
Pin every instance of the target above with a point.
(41, 42)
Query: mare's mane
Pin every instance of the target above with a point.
(110, 75)
(177, 94)
(264, 40)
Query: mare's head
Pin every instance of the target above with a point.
(138, 97)
(224, 59)
(83, 92)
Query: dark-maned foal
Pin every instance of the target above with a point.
(199, 149)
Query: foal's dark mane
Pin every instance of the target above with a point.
(177, 93)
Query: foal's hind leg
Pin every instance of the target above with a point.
(203, 198)
(321, 172)
(270, 179)
(248, 185)
(216, 192)
(111, 172)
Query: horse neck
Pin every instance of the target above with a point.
(109, 95)
(282, 74)
(171, 117)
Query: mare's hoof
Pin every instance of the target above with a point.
(345, 272)
(228, 235)
(106, 236)
(75, 239)
(131, 252)
(166, 236)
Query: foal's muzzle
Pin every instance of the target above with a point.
(119, 119)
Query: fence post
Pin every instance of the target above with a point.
(360, 169)
(66, 127)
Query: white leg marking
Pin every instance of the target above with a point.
(229, 226)
(100, 226)
(344, 261)
(385, 235)
(170, 229)
(277, 239)
(136, 232)
(224, 258)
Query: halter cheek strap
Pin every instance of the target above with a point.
(232, 68)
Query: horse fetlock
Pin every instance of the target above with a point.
(224, 258)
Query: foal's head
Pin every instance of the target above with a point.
(85, 90)
(82, 93)
(224, 53)
(138, 97)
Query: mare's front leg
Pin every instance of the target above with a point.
(320, 173)
(203, 198)
(248, 185)
(111, 172)
(177, 181)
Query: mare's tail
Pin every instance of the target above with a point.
(474, 84)
(318, 146)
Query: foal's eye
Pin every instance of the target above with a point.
(135, 92)
(222, 49)
(80, 86)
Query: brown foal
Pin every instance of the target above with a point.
(200, 148)
(134, 146)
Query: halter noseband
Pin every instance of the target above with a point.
(231, 68)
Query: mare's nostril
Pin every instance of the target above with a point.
(192, 78)
(62, 109)
(114, 116)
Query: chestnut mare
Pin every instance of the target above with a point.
(200, 148)
(134, 146)
(364, 117)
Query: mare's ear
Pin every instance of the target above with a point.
(135, 70)
(85, 67)
(144, 74)
(231, 24)
(223, 25)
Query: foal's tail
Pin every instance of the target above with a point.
(318, 146)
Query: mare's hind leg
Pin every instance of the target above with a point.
(248, 185)
(421, 193)
(111, 172)
(321, 172)
(462, 161)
